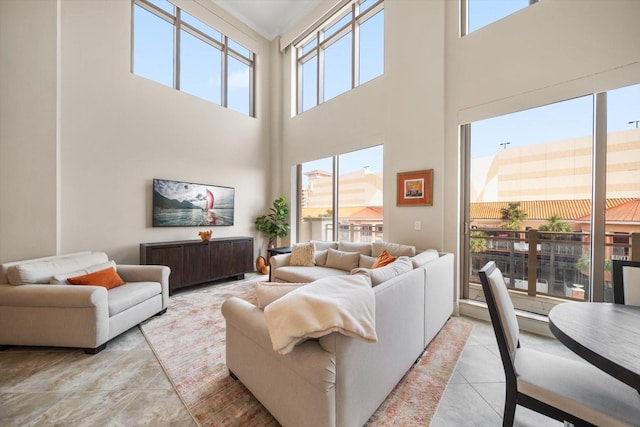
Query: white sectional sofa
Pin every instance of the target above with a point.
(338, 380)
(38, 307)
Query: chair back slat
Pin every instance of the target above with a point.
(493, 283)
(626, 282)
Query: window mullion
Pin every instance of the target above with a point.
(355, 51)
(320, 71)
(598, 196)
(176, 50)
(225, 67)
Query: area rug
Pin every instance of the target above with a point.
(189, 342)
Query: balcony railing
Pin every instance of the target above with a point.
(546, 263)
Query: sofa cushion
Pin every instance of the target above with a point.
(107, 278)
(382, 274)
(323, 245)
(342, 260)
(61, 278)
(394, 249)
(43, 271)
(383, 259)
(304, 274)
(366, 261)
(130, 294)
(363, 248)
(424, 257)
(268, 292)
(302, 254)
(321, 257)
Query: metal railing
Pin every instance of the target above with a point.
(548, 263)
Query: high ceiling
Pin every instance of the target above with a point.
(270, 18)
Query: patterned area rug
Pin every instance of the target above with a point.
(189, 342)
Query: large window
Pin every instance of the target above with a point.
(346, 51)
(178, 50)
(537, 180)
(341, 197)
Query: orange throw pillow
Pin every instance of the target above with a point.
(383, 259)
(107, 278)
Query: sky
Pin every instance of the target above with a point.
(554, 122)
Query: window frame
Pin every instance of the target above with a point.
(316, 38)
(180, 25)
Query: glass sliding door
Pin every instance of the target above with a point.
(529, 192)
(622, 179)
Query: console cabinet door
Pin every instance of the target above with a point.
(221, 259)
(170, 255)
(243, 255)
(196, 264)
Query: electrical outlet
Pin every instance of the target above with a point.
(417, 225)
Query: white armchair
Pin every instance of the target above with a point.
(39, 308)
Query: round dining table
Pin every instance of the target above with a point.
(604, 334)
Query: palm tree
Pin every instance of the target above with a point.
(513, 215)
(556, 224)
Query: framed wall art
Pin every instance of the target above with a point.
(415, 188)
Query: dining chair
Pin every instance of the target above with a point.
(626, 282)
(564, 389)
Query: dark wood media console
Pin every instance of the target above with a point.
(195, 261)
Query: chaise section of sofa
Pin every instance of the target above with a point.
(38, 306)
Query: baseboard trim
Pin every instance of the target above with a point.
(529, 322)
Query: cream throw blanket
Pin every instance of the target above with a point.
(344, 304)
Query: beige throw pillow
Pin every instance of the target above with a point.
(302, 255)
(346, 261)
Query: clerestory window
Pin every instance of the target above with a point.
(176, 49)
(344, 52)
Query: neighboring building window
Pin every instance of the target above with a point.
(346, 51)
(176, 49)
(355, 213)
(480, 13)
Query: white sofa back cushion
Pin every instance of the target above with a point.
(43, 271)
(363, 248)
(394, 249)
(61, 279)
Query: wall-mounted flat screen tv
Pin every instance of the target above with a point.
(185, 204)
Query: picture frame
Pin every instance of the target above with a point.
(415, 188)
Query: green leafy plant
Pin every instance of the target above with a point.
(477, 241)
(274, 224)
(513, 215)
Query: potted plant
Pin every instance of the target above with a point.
(274, 224)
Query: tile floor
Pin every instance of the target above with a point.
(125, 386)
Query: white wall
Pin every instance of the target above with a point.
(119, 131)
(403, 109)
(28, 128)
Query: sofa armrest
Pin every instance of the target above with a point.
(247, 318)
(147, 273)
(439, 297)
(47, 296)
(277, 261)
